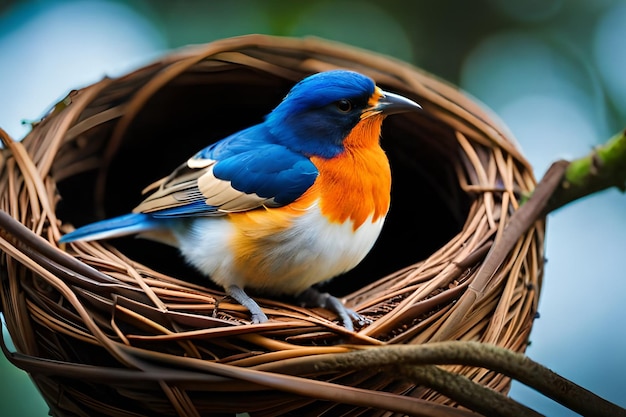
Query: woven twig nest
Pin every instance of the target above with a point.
(125, 328)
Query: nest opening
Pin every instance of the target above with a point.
(428, 206)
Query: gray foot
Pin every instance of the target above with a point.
(313, 298)
(257, 315)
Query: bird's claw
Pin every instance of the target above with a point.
(360, 320)
(347, 316)
(258, 317)
(256, 314)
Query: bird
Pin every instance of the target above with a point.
(283, 205)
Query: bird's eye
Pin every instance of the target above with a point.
(344, 105)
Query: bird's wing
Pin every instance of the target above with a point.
(217, 181)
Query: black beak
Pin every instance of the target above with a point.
(391, 103)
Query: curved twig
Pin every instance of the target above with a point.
(498, 359)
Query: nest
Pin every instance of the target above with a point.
(124, 328)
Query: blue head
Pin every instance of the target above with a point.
(320, 111)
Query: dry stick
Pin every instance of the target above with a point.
(465, 392)
(458, 388)
(20, 235)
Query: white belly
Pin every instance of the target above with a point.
(312, 250)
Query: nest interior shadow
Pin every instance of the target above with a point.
(428, 204)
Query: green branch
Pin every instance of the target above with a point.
(603, 168)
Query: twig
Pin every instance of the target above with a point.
(466, 393)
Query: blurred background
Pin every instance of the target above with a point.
(553, 70)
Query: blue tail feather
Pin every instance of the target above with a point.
(118, 226)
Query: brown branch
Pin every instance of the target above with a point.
(468, 394)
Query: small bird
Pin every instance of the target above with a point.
(280, 206)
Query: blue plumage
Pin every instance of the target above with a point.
(117, 226)
(323, 89)
(195, 209)
(269, 171)
(236, 143)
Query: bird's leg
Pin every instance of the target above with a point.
(258, 316)
(313, 298)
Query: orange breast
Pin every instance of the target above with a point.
(281, 250)
(357, 183)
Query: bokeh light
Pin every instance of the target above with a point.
(356, 23)
(72, 44)
(609, 52)
(204, 21)
(530, 10)
(525, 78)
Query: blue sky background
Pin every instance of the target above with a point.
(553, 70)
